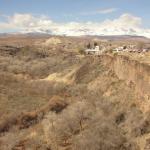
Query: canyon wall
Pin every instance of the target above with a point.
(131, 71)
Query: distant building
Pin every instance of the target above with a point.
(95, 51)
(118, 49)
(145, 50)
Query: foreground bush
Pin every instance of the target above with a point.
(83, 127)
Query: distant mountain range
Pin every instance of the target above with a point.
(122, 37)
(104, 37)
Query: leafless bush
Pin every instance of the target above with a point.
(102, 135)
(83, 126)
(60, 128)
(9, 141)
(140, 124)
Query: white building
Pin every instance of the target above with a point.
(145, 50)
(95, 51)
(119, 49)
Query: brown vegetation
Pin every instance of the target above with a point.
(98, 110)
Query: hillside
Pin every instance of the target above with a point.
(53, 98)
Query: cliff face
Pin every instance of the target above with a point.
(131, 71)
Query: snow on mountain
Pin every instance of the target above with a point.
(126, 24)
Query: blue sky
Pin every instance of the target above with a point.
(59, 9)
(66, 11)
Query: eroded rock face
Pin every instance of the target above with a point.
(131, 71)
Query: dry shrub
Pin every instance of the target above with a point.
(9, 141)
(81, 51)
(103, 135)
(27, 119)
(60, 128)
(142, 125)
(33, 61)
(57, 104)
(84, 126)
(7, 124)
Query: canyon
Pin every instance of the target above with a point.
(52, 97)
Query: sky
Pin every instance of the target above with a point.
(76, 17)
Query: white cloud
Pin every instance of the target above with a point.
(101, 11)
(126, 24)
(91, 13)
(107, 11)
